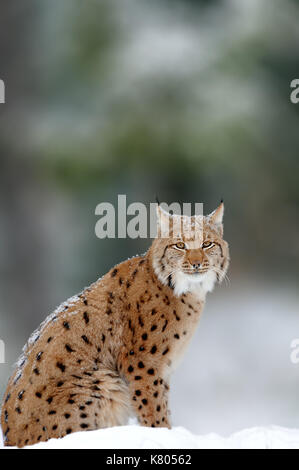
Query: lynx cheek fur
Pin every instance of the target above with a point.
(108, 353)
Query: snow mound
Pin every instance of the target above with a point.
(137, 437)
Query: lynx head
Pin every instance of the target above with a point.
(189, 253)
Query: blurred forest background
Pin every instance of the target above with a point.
(189, 100)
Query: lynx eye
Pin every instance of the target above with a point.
(207, 244)
(180, 245)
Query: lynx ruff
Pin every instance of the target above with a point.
(108, 353)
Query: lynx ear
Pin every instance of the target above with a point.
(163, 220)
(216, 217)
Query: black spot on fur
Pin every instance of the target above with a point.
(21, 394)
(39, 356)
(49, 400)
(85, 339)
(140, 365)
(68, 430)
(66, 325)
(138, 393)
(49, 339)
(77, 377)
(38, 395)
(165, 351)
(176, 316)
(23, 362)
(130, 369)
(36, 371)
(60, 366)
(154, 349)
(7, 398)
(138, 377)
(69, 348)
(52, 412)
(59, 384)
(84, 425)
(67, 415)
(144, 336)
(144, 401)
(86, 317)
(151, 371)
(154, 327)
(114, 272)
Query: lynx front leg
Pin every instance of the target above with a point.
(150, 401)
(148, 389)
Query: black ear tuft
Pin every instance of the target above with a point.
(158, 202)
(222, 201)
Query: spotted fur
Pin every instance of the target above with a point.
(108, 353)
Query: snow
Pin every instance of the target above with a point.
(137, 437)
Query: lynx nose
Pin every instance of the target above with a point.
(196, 265)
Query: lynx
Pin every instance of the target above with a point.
(108, 353)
